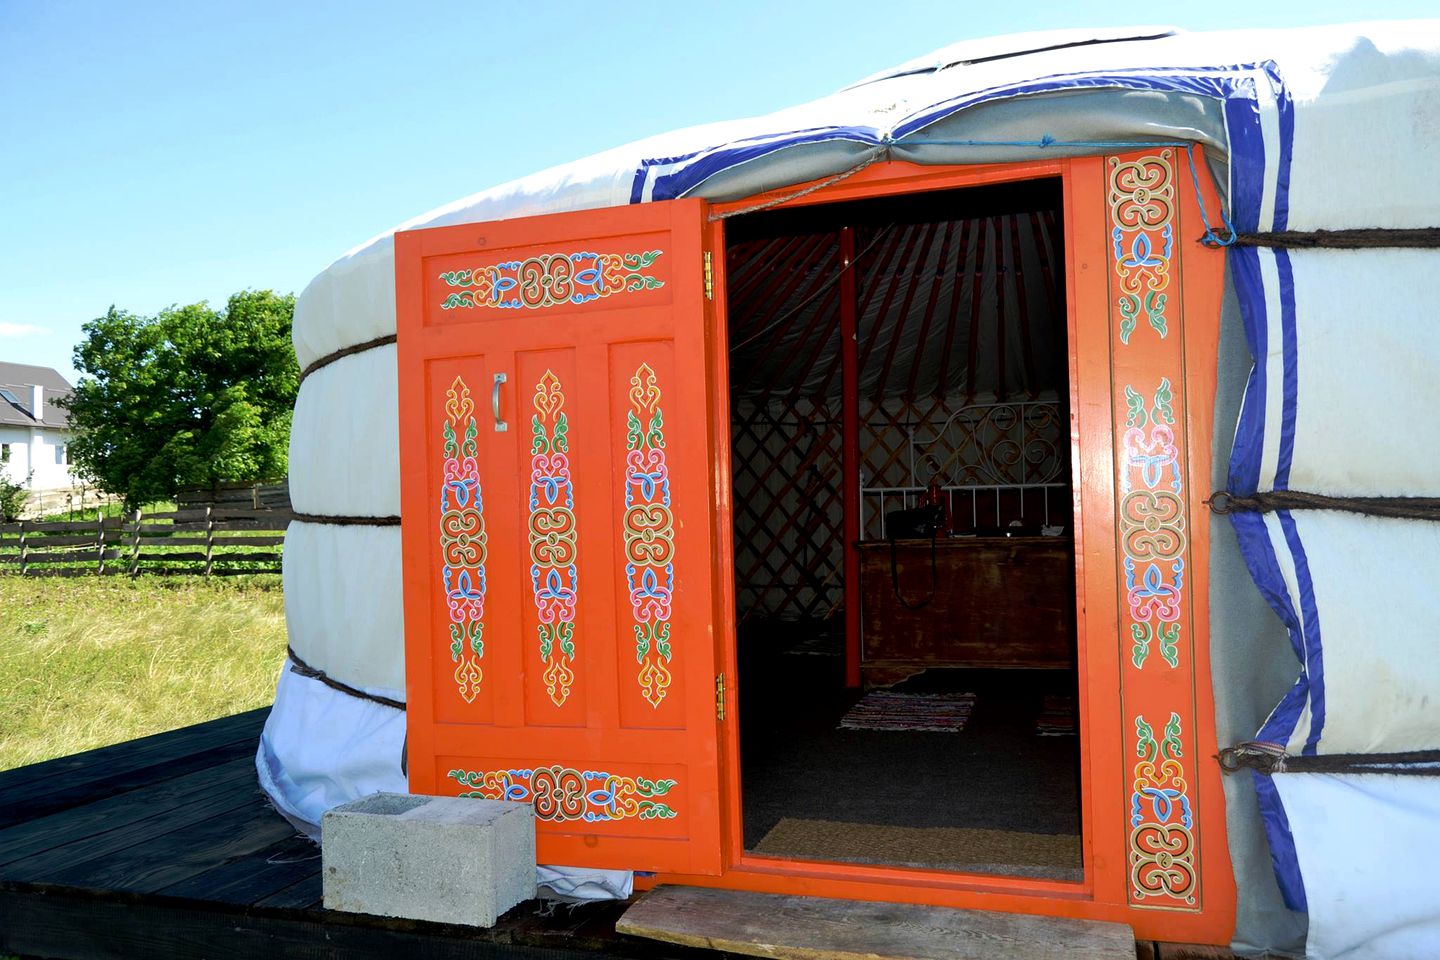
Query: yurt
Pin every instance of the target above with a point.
(1008, 483)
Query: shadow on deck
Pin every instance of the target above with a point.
(166, 847)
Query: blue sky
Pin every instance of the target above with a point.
(158, 153)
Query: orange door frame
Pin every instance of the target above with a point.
(1147, 862)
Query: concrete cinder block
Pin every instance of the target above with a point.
(448, 859)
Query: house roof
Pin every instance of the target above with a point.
(19, 380)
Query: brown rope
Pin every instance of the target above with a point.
(330, 358)
(305, 670)
(1402, 508)
(1359, 239)
(347, 521)
(1270, 759)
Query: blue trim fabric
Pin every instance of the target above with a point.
(1282, 842)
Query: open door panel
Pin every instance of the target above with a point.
(558, 525)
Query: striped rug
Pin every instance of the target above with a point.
(888, 710)
(1057, 717)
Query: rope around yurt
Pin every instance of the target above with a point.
(1223, 502)
(1270, 759)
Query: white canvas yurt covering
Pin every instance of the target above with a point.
(1328, 360)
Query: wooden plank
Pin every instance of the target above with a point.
(239, 557)
(132, 806)
(811, 928)
(44, 788)
(225, 539)
(1191, 951)
(194, 838)
(86, 926)
(306, 894)
(129, 856)
(69, 541)
(142, 751)
(195, 571)
(247, 880)
(228, 514)
(69, 572)
(77, 556)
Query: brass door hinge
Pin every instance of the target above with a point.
(720, 697)
(709, 277)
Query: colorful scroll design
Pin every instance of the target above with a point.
(550, 279)
(553, 537)
(560, 794)
(463, 540)
(1162, 842)
(1152, 525)
(649, 535)
(1152, 529)
(1142, 216)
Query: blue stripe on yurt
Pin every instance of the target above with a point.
(1282, 842)
(1285, 109)
(1249, 444)
(1259, 554)
(1314, 661)
(1280, 726)
(1291, 357)
(1247, 163)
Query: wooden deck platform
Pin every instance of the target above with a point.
(165, 847)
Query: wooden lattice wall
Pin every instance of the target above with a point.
(789, 539)
(788, 512)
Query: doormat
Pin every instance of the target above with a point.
(1057, 717)
(888, 710)
(957, 848)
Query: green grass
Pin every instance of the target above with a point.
(87, 662)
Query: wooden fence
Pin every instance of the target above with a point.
(229, 532)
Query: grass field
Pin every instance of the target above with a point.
(86, 662)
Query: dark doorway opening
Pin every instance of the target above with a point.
(959, 748)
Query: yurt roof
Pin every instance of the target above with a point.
(1061, 93)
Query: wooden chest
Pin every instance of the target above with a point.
(997, 602)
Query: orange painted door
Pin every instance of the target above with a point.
(558, 523)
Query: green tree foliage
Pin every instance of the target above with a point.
(190, 397)
(13, 497)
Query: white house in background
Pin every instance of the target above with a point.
(34, 432)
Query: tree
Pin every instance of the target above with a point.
(13, 497)
(190, 397)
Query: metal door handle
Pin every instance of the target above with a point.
(500, 425)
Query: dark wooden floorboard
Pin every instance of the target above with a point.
(193, 748)
(59, 925)
(77, 858)
(201, 844)
(121, 810)
(172, 851)
(142, 752)
(247, 880)
(307, 893)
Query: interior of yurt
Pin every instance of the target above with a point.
(1002, 484)
(928, 389)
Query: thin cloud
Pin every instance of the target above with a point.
(19, 329)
